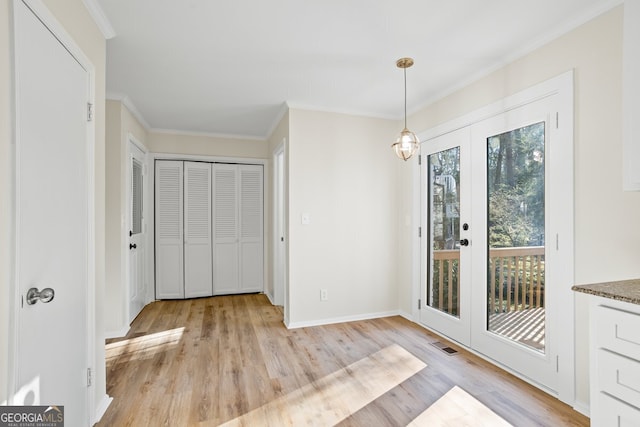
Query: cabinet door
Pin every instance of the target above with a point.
(197, 230)
(251, 228)
(169, 229)
(225, 230)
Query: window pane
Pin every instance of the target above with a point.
(516, 230)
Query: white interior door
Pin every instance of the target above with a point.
(52, 220)
(198, 280)
(169, 222)
(251, 220)
(226, 278)
(137, 231)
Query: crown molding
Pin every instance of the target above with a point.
(127, 102)
(101, 20)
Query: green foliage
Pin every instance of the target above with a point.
(515, 170)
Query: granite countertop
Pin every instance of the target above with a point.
(624, 290)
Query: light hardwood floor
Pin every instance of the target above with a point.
(210, 361)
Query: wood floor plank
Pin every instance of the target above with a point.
(207, 361)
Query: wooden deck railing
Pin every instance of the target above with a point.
(516, 279)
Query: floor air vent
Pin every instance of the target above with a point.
(444, 347)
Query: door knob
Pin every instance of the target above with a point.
(464, 242)
(132, 246)
(45, 295)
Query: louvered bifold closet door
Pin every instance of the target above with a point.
(197, 230)
(226, 229)
(251, 228)
(169, 229)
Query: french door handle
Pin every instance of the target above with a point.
(132, 246)
(45, 295)
(464, 242)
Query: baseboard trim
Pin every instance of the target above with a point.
(406, 315)
(330, 321)
(117, 334)
(583, 408)
(102, 408)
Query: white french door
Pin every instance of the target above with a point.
(496, 246)
(446, 183)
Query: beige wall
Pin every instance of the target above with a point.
(606, 218)
(171, 143)
(120, 124)
(75, 19)
(341, 172)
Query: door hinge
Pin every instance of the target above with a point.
(558, 363)
(419, 231)
(419, 304)
(557, 120)
(89, 377)
(420, 159)
(89, 112)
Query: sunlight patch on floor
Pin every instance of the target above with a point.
(338, 395)
(458, 408)
(143, 347)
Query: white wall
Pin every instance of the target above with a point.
(341, 172)
(120, 123)
(606, 218)
(76, 20)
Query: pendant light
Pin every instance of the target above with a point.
(407, 143)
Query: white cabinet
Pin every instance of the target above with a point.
(615, 363)
(209, 229)
(631, 95)
(238, 229)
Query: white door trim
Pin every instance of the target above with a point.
(58, 30)
(563, 85)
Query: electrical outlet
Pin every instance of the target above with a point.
(324, 296)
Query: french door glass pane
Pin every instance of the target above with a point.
(136, 197)
(444, 231)
(516, 230)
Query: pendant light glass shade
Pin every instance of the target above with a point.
(407, 142)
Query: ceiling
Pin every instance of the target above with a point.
(231, 67)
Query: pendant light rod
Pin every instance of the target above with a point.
(405, 97)
(405, 63)
(407, 143)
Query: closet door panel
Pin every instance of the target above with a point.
(197, 230)
(251, 228)
(169, 229)
(226, 229)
